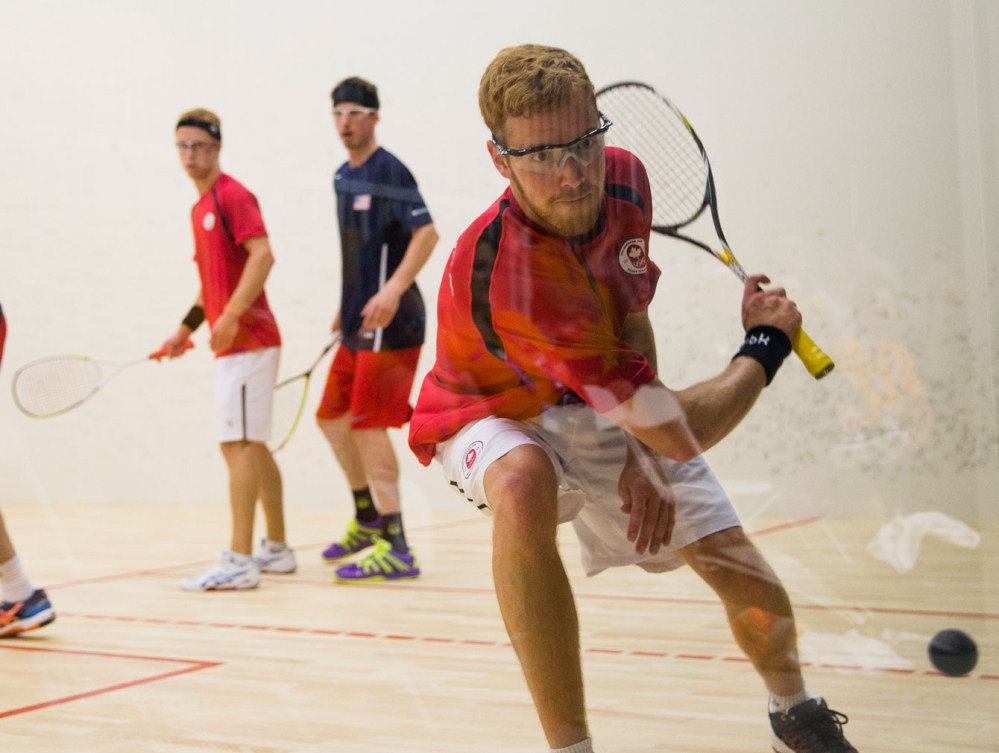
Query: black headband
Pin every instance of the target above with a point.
(213, 130)
(352, 92)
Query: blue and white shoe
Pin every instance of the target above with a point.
(227, 574)
(30, 614)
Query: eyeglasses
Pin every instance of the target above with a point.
(550, 158)
(194, 146)
(352, 112)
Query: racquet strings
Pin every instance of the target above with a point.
(49, 387)
(646, 126)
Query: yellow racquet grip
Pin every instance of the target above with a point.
(814, 358)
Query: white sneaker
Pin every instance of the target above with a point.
(226, 575)
(272, 557)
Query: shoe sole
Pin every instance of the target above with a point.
(377, 578)
(233, 586)
(40, 620)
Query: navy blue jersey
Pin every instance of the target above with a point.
(379, 206)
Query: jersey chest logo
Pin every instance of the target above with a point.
(633, 258)
(362, 202)
(208, 221)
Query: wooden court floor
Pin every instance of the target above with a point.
(135, 664)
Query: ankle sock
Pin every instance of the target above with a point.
(584, 746)
(364, 505)
(393, 533)
(14, 583)
(785, 702)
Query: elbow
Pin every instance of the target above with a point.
(682, 453)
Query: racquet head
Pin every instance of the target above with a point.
(55, 385)
(651, 127)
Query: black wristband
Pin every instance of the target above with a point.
(194, 318)
(767, 345)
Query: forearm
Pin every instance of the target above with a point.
(251, 282)
(682, 424)
(715, 407)
(421, 245)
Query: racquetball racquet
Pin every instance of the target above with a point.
(290, 396)
(650, 126)
(56, 384)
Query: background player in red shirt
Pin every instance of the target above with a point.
(22, 606)
(234, 258)
(544, 404)
(386, 236)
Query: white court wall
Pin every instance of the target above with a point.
(856, 154)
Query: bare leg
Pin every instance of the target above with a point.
(244, 488)
(341, 440)
(533, 590)
(271, 492)
(758, 607)
(381, 468)
(6, 545)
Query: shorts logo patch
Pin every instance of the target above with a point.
(471, 455)
(362, 202)
(208, 221)
(633, 258)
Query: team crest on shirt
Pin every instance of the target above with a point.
(633, 258)
(208, 221)
(471, 455)
(362, 202)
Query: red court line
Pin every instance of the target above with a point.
(168, 569)
(897, 611)
(639, 599)
(194, 666)
(785, 526)
(593, 650)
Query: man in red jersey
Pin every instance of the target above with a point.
(234, 258)
(544, 404)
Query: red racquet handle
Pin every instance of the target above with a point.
(161, 353)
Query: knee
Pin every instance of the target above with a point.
(732, 565)
(522, 491)
(335, 430)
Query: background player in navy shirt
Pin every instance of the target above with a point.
(386, 236)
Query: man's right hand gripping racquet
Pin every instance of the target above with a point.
(651, 127)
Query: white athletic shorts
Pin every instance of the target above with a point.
(588, 452)
(244, 394)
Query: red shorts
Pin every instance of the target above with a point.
(372, 387)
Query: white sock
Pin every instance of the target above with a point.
(785, 702)
(241, 559)
(274, 546)
(14, 583)
(584, 746)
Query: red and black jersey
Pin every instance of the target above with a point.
(524, 316)
(223, 219)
